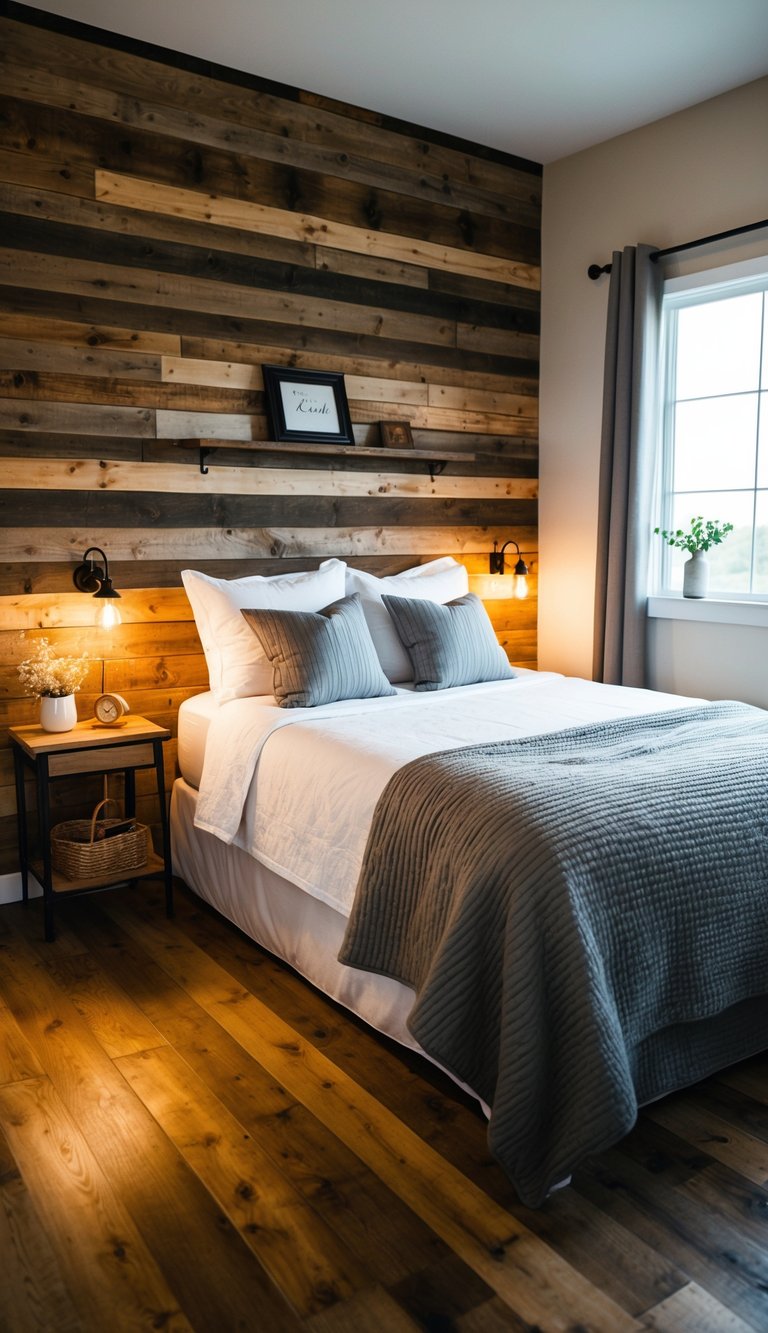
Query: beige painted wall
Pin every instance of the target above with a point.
(700, 171)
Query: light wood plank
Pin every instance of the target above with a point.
(92, 474)
(55, 610)
(693, 1310)
(120, 1027)
(133, 192)
(17, 1059)
(100, 1251)
(523, 1271)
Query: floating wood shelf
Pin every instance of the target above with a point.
(435, 460)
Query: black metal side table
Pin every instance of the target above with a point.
(88, 748)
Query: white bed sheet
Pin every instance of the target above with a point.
(296, 788)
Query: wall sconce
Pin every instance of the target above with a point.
(90, 577)
(498, 583)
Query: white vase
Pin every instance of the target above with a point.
(58, 714)
(696, 575)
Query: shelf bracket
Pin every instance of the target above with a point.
(435, 468)
(203, 455)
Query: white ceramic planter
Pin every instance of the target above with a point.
(58, 714)
(696, 575)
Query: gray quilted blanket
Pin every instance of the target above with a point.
(583, 916)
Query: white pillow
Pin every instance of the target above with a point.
(437, 581)
(237, 664)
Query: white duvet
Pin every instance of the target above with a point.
(297, 787)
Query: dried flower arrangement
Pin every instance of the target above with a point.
(45, 673)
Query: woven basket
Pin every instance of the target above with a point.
(77, 858)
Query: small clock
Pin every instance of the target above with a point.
(110, 710)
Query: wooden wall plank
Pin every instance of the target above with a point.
(35, 85)
(300, 117)
(119, 477)
(215, 543)
(133, 192)
(164, 234)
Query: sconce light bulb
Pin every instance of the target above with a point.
(108, 615)
(521, 587)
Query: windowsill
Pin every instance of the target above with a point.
(671, 606)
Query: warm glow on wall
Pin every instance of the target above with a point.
(498, 584)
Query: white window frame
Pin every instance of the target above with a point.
(694, 289)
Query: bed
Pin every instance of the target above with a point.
(276, 822)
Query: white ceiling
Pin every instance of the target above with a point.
(538, 78)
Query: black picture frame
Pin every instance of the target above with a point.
(316, 395)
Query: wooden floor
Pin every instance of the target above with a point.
(193, 1138)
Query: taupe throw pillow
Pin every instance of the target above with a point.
(452, 644)
(319, 657)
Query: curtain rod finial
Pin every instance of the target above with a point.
(596, 271)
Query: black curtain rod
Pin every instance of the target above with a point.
(595, 270)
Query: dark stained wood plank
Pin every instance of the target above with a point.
(48, 576)
(135, 509)
(35, 85)
(80, 139)
(245, 100)
(160, 319)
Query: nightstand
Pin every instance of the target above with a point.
(88, 748)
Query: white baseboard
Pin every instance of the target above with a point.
(10, 888)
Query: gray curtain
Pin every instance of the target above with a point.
(627, 466)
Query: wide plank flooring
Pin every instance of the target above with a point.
(192, 1138)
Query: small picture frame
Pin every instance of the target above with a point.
(396, 435)
(307, 405)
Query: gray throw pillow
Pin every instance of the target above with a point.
(319, 657)
(452, 644)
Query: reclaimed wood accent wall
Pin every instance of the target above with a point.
(167, 228)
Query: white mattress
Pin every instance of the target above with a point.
(194, 720)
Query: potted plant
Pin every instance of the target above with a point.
(700, 536)
(54, 680)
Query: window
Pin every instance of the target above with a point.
(715, 427)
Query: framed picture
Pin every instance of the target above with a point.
(307, 405)
(396, 435)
